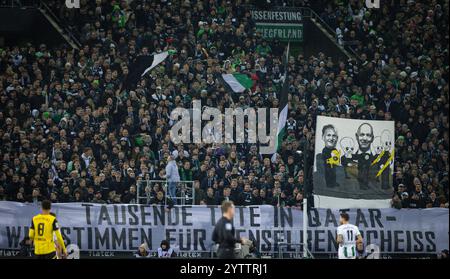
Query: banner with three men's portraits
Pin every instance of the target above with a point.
(354, 163)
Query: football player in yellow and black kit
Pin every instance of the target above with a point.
(41, 232)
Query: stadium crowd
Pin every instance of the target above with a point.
(71, 132)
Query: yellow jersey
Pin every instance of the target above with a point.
(41, 232)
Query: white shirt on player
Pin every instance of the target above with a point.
(347, 249)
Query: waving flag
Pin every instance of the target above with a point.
(283, 108)
(237, 82)
(141, 66)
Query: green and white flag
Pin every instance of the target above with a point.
(237, 82)
(283, 109)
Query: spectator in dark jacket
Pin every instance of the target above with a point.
(211, 198)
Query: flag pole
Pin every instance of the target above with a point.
(305, 194)
(284, 80)
(305, 228)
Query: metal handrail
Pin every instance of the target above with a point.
(333, 33)
(165, 186)
(68, 31)
(41, 5)
(323, 23)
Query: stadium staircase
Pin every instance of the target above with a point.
(65, 32)
(331, 34)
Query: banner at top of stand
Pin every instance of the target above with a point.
(282, 24)
(280, 16)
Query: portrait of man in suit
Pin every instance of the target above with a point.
(364, 156)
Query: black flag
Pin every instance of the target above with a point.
(142, 65)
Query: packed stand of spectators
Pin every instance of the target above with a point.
(71, 132)
(407, 42)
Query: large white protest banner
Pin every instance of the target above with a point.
(354, 162)
(120, 229)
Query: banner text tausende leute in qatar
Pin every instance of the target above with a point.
(95, 227)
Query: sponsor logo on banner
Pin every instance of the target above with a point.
(118, 230)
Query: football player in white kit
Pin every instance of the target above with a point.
(348, 236)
